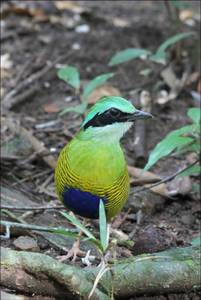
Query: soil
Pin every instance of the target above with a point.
(33, 39)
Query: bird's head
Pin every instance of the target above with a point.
(110, 118)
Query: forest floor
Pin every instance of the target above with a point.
(40, 36)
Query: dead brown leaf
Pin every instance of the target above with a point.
(104, 90)
(69, 5)
(160, 189)
(185, 14)
(140, 176)
(51, 108)
(199, 87)
(23, 8)
(180, 185)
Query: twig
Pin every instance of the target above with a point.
(32, 207)
(35, 227)
(11, 97)
(140, 130)
(166, 179)
(36, 144)
(13, 216)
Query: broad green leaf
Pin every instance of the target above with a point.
(184, 130)
(165, 147)
(160, 55)
(103, 228)
(78, 224)
(79, 109)
(194, 170)
(93, 84)
(180, 4)
(194, 114)
(196, 241)
(70, 75)
(192, 147)
(128, 54)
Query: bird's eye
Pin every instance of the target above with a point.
(114, 112)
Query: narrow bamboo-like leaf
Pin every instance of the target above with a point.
(194, 170)
(165, 147)
(128, 54)
(160, 55)
(194, 114)
(103, 228)
(79, 109)
(65, 232)
(93, 84)
(70, 75)
(78, 224)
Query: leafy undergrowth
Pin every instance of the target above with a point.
(153, 220)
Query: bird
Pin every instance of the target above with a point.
(92, 166)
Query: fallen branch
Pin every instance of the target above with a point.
(176, 270)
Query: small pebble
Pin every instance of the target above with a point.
(26, 243)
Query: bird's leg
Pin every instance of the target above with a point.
(74, 251)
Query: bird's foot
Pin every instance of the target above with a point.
(73, 253)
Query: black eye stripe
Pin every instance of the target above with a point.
(110, 116)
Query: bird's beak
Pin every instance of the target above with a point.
(138, 114)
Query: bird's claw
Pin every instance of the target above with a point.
(73, 253)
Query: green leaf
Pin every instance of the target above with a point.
(93, 84)
(180, 4)
(146, 72)
(165, 147)
(79, 109)
(194, 170)
(192, 147)
(184, 130)
(128, 54)
(196, 241)
(70, 75)
(160, 55)
(194, 114)
(78, 224)
(103, 228)
(65, 232)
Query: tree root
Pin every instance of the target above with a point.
(176, 270)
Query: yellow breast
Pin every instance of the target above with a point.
(99, 169)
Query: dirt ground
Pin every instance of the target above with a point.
(36, 34)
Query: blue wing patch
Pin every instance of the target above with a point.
(82, 203)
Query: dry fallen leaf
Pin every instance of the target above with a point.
(119, 22)
(185, 14)
(104, 90)
(140, 176)
(51, 108)
(6, 62)
(180, 185)
(199, 87)
(69, 5)
(2, 92)
(160, 189)
(26, 8)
